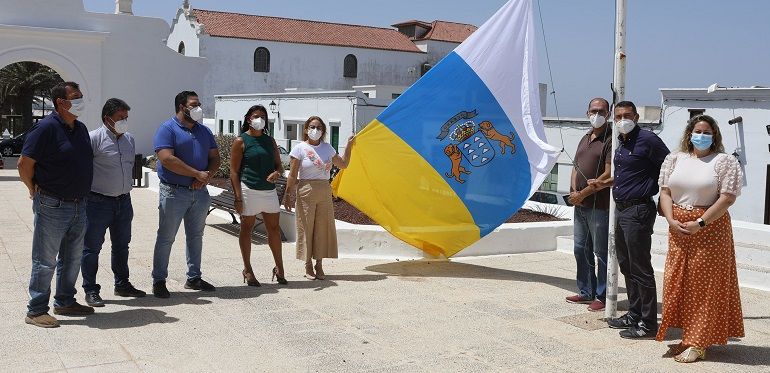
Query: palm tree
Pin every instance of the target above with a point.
(21, 83)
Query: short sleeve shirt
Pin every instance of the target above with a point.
(315, 161)
(591, 158)
(190, 145)
(63, 157)
(113, 162)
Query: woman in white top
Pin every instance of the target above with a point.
(311, 162)
(700, 286)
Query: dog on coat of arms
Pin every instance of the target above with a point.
(491, 133)
(453, 152)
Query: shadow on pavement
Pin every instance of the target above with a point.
(9, 178)
(740, 354)
(121, 319)
(465, 270)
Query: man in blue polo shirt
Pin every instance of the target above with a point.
(56, 165)
(187, 158)
(637, 166)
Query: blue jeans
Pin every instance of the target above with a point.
(177, 204)
(57, 243)
(116, 215)
(591, 231)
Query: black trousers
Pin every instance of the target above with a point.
(633, 241)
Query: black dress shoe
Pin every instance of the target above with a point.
(94, 300)
(159, 290)
(129, 291)
(198, 284)
(622, 322)
(638, 332)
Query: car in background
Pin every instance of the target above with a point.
(12, 146)
(549, 197)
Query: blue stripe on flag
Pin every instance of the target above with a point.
(496, 186)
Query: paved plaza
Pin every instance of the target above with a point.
(503, 313)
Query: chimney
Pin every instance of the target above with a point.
(123, 7)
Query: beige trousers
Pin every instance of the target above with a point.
(316, 231)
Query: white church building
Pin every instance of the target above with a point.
(109, 55)
(253, 54)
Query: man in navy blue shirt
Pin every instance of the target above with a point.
(56, 165)
(187, 158)
(637, 166)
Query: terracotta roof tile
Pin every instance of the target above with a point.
(245, 26)
(449, 31)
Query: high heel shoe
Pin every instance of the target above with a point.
(249, 279)
(281, 280)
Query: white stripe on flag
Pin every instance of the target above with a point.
(502, 53)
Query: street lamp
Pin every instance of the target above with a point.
(272, 107)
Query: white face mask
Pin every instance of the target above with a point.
(597, 120)
(196, 113)
(257, 124)
(625, 125)
(314, 134)
(78, 107)
(120, 126)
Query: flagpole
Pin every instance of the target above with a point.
(619, 88)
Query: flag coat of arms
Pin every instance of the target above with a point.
(463, 148)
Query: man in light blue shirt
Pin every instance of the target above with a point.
(109, 203)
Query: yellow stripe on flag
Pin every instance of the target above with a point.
(390, 181)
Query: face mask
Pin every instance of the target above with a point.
(625, 125)
(120, 126)
(597, 120)
(701, 141)
(314, 134)
(78, 107)
(196, 113)
(257, 124)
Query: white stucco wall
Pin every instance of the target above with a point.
(108, 55)
(182, 30)
(436, 49)
(349, 110)
(291, 65)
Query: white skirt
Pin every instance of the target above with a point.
(258, 201)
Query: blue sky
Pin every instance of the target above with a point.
(671, 43)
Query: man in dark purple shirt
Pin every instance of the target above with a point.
(637, 166)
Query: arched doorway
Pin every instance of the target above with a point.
(25, 89)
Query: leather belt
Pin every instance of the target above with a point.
(70, 199)
(622, 205)
(110, 197)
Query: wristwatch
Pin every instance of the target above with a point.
(701, 222)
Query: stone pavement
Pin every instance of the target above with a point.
(503, 313)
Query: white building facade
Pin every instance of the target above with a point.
(345, 112)
(109, 55)
(257, 54)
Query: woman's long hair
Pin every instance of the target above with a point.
(247, 118)
(716, 146)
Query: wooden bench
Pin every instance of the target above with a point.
(225, 201)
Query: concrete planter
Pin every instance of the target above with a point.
(373, 241)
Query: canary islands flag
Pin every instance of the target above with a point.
(463, 148)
